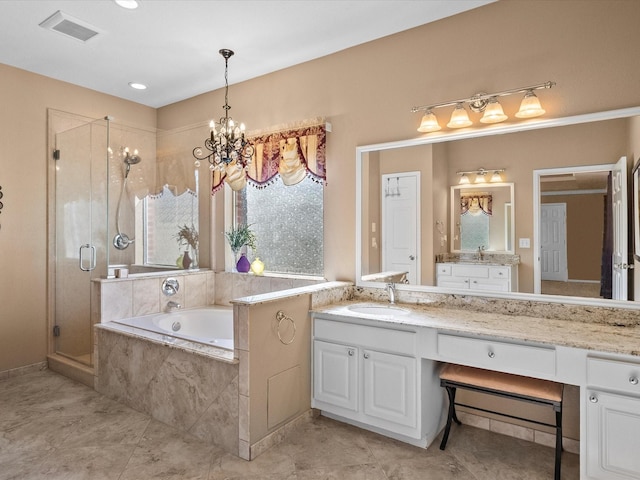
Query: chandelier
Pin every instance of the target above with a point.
(228, 149)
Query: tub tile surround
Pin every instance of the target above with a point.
(194, 387)
(192, 392)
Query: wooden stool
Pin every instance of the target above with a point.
(533, 390)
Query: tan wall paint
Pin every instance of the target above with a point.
(25, 98)
(366, 92)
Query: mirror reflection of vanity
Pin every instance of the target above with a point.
(519, 148)
(482, 238)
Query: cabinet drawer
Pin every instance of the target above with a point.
(514, 358)
(614, 375)
(382, 339)
(500, 272)
(443, 269)
(474, 271)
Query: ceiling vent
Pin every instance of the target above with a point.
(72, 27)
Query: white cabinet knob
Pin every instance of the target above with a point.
(350, 352)
(593, 399)
(366, 355)
(633, 380)
(491, 354)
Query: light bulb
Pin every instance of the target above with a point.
(530, 106)
(493, 112)
(464, 180)
(459, 118)
(429, 123)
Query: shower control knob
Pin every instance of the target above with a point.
(170, 286)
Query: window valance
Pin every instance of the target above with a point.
(476, 203)
(293, 152)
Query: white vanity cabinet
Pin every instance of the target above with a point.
(366, 374)
(612, 406)
(480, 277)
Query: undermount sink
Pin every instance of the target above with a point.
(378, 310)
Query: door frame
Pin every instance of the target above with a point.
(537, 274)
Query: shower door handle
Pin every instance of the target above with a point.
(92, 259)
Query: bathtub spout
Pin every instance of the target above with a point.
(171, 306)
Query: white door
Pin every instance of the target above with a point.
(335, 374)
(400, 221)
(553, 242)
(620, 240)
(390, 388)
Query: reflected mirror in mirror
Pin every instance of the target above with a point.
(580, 141)
(481, 217)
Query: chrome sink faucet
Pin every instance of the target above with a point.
(481, 252)
(391, 290)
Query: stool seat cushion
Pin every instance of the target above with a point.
(503, 382)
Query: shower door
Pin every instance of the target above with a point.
(80, 237)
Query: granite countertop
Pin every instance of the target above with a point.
(601, 337)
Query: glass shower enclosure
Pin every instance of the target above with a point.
(108, 181)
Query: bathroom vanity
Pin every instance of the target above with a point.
(477, 276)
(375, 366)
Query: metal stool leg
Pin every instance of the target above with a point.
(451, 392)
(558, 442)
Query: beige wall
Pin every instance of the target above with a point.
(366, 92)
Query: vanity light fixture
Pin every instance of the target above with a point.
(481, 176)
(230, 151)
(483, 102)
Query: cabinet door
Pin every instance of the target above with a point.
(390, 387)
(613, 436)
(335, 374)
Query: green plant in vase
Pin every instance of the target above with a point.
(188, 237)
(238, 237)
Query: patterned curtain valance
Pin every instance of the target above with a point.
(475, 203)
(293, 152)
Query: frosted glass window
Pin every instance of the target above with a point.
(288, 223)
(163, 216)
(474, 231)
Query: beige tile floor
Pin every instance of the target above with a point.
(54, 428)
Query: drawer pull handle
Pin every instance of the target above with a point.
(593, 399)
(350, 352)
(633, 380)
(491, 354)
(366, 355)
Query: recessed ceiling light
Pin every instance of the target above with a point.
(138, 86)
(129, 4)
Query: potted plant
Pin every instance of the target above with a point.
(188, 237)
(238, 237)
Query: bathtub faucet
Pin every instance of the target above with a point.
(171, 305)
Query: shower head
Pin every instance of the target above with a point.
(132, 159)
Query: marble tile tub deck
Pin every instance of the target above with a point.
(54, 428)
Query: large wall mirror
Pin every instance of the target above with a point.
(575, 155)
